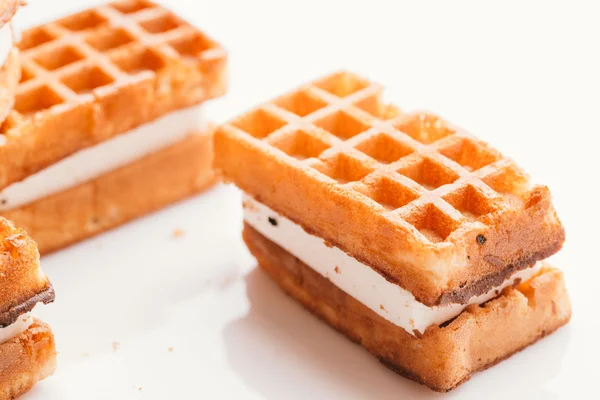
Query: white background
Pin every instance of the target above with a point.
(521, 75)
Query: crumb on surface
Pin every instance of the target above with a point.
(170, 349)
(85, 354)
(337, 270)
(115, 345)
(178, 232)
(382, 308)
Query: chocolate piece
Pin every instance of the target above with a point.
(11, 315)
(481, 239)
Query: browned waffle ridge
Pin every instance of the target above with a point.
(101, 72)
(427, 205)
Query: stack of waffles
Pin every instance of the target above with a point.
(27, 351)
(405, 233)
(106, 124)
(10, 69)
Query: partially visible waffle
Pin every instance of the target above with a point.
(148, 184)
(24, 284)
(26, 359)
(95, 74)
(426, 204)
(10, 74)
(27, 350)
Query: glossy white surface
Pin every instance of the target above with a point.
(360, 281)
(522, 75)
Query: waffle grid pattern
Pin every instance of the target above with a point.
(435, 177)
(93, 52)
(96, 74)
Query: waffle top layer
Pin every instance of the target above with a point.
(101, 72)
(427, 205)
(23, 284)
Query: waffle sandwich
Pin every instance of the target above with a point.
(106, 124)
(27, 352)
(405, 233)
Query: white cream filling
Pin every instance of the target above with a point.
(102, 158)
(6, 42)
(360, 281)
(19, 326)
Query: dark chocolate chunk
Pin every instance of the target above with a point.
(481, 239)
(272, 221)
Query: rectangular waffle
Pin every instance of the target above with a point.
(444, 356)
(428, 206)
(101, 72)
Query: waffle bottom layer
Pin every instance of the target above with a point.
(26, 359)
(444, 356)
(146, 185)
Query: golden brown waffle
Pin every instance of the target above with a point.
(444, 356)
(24, 284)
(155, 181)
(427, 205)
(101, 72)
(26, 359)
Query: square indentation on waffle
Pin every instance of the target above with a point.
(428, 172)
(139, 60)
(87, 79)
(342, 124)
(344, 168)
(84, 20)
(424, 128)
(301, 145)
(58, 57)
(109, 38)
(415, 168)
(36, 99)
(34, 38)
(470, 154)
(301, 103)
(342, 84)
(130, 7)
(507, 179)
(388, 192)
(471, 201)
(161, 24)
(259, 123)
(433, 223)
(191, 45)
(384, 148)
